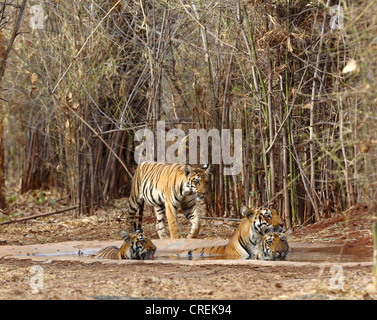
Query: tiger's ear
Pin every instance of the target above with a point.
(188, 170)
(207, 168)
(287, 233)
(246, 212)
(125, 236)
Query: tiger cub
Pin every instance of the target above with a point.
(136, 246)
(274, 246)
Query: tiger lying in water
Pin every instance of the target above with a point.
(274, 246)
(247, 239)
(137, 246)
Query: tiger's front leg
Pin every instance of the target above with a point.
(192, 211)
(171, 214)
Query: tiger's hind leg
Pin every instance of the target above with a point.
(141, 211)
(191, 211)
(134, 206)
(160, 224)
(135, 201)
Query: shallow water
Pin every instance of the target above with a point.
(308, 254)
(331, 254)
(298, 254)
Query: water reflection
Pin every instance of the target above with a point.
(302, 254)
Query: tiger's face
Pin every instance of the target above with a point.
(274, 246)
(264, 220)
(197, 181)
(141, 246)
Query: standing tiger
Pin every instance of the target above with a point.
(247, 238)
(166, 188)
(136, 246)
(274, 246)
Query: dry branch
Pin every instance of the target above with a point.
(16, 27)
(219, 218)
(40, 215)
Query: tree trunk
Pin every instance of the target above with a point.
(375, 248)
(4, 54)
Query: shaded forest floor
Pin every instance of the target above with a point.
(77, 280)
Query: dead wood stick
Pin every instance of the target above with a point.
(40, 215)
(219, 218)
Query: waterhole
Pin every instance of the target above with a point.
(301, 253)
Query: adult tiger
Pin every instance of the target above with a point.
(274, 246)
(136, 246)
(166, 188)
(247, 238)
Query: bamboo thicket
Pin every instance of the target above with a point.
(100, 70)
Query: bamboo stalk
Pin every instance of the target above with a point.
(311, 130)
(292, 216)
(264, 97)
(271, 132)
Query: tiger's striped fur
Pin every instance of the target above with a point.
(247, 238)
(274, 246)
(136, 246)
(166, 188)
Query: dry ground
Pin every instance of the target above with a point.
(75, 280)
(78, 280)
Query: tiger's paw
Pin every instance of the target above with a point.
(163, 236)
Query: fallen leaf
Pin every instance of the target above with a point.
(289, 46)
(351, 66)
(33, 78)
